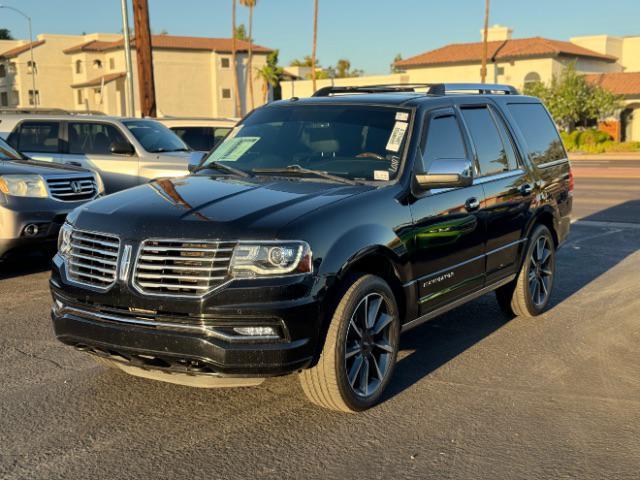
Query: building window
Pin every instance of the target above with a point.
(97, 64)
(3, 70)
(225, 62)
(32, 67)
(15, 97)
(4, 99)
(12, 67)
(34, 99)
(531, 77)
(78, 66)
(226, 93)
(112, 63)
(79, 95)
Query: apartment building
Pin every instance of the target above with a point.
(193, 75)
(613, 62)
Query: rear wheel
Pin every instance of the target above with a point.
(360, 349)
(528, 295)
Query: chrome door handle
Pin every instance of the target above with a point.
(526, 189)
(472, 204)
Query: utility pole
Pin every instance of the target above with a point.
(129, 95)
(315, 40)
(483, 70)
(146, 85)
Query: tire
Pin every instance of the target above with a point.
(521, 298)
(349, 341)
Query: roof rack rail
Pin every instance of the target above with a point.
(49, 111)
(432, 88)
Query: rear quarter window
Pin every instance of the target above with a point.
(39, 137)
(540, 133)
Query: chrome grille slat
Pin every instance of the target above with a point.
(181, 267)
(61, 188)
(93, 258)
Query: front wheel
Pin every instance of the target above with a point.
(528, 295)
(360, 349)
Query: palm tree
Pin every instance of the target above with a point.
(269, 74)
(248, 78)
(233, 58)
(315, 36)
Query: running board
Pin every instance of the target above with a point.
(456, 303)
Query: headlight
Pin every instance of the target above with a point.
(64, 240)
(23, 186)
(271, 259)
(99, 183)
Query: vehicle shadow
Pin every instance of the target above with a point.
(25, 264)
(590, 251)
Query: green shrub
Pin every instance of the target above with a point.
(592, 137)
(595, 141)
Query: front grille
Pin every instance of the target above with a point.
(72, 189)
(177, 267)
(93, 258)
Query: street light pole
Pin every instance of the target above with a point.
(33, 65)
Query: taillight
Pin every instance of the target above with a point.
(570, 180)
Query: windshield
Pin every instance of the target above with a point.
(155, 137)
(354, 142)
(8, 153)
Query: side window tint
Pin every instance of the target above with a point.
(39, 137)
(492, 156)
(444, 140)
(507, 141)
(93, 138)
(543, 142)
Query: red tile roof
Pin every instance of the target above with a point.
(173, 42)
(94, 82)
(15, 51)
(501, 50)
(622, 83)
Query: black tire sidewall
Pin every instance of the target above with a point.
(540, 231)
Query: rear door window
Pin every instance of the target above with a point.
(540, 134)
(41, 137)
(93, 138)
(444, 140)
(201, 138)
(491, 151)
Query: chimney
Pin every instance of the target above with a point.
(497, 33)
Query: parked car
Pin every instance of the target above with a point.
(35, 198)
(125, 151)
(201, 134)
(316, 233)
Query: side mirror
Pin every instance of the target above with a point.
(447, 173)
(195, 159)
(122, 148)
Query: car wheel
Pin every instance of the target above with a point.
(360, 350)
(528, 295)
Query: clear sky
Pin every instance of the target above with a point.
(368, 33)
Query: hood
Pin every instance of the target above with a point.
(207, 207)
(31, 166)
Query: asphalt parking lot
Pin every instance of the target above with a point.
(474, 395)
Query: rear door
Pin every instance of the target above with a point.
(38, 139)
(449, 235)
(89, 145)
(508, 188)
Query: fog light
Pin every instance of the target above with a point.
(256, 331)
(31, 230)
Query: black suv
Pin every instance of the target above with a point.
(316, 233)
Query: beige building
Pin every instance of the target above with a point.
(611, 61)
(193, 75)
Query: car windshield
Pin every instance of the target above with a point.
(353, 142)
(8, 153)
(155, 137)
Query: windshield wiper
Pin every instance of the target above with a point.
(298, 169)
(223, 167)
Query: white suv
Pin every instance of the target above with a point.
(125, 151)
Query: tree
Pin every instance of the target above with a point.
(315, 38)
(5, 34)
(241, 30)
(343, 69)
(307, 61)
(234, 60)
(249, 78)
(572, 101)
(393, 68)
(270, 73)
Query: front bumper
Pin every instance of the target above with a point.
(193, 343)
(16, 214)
